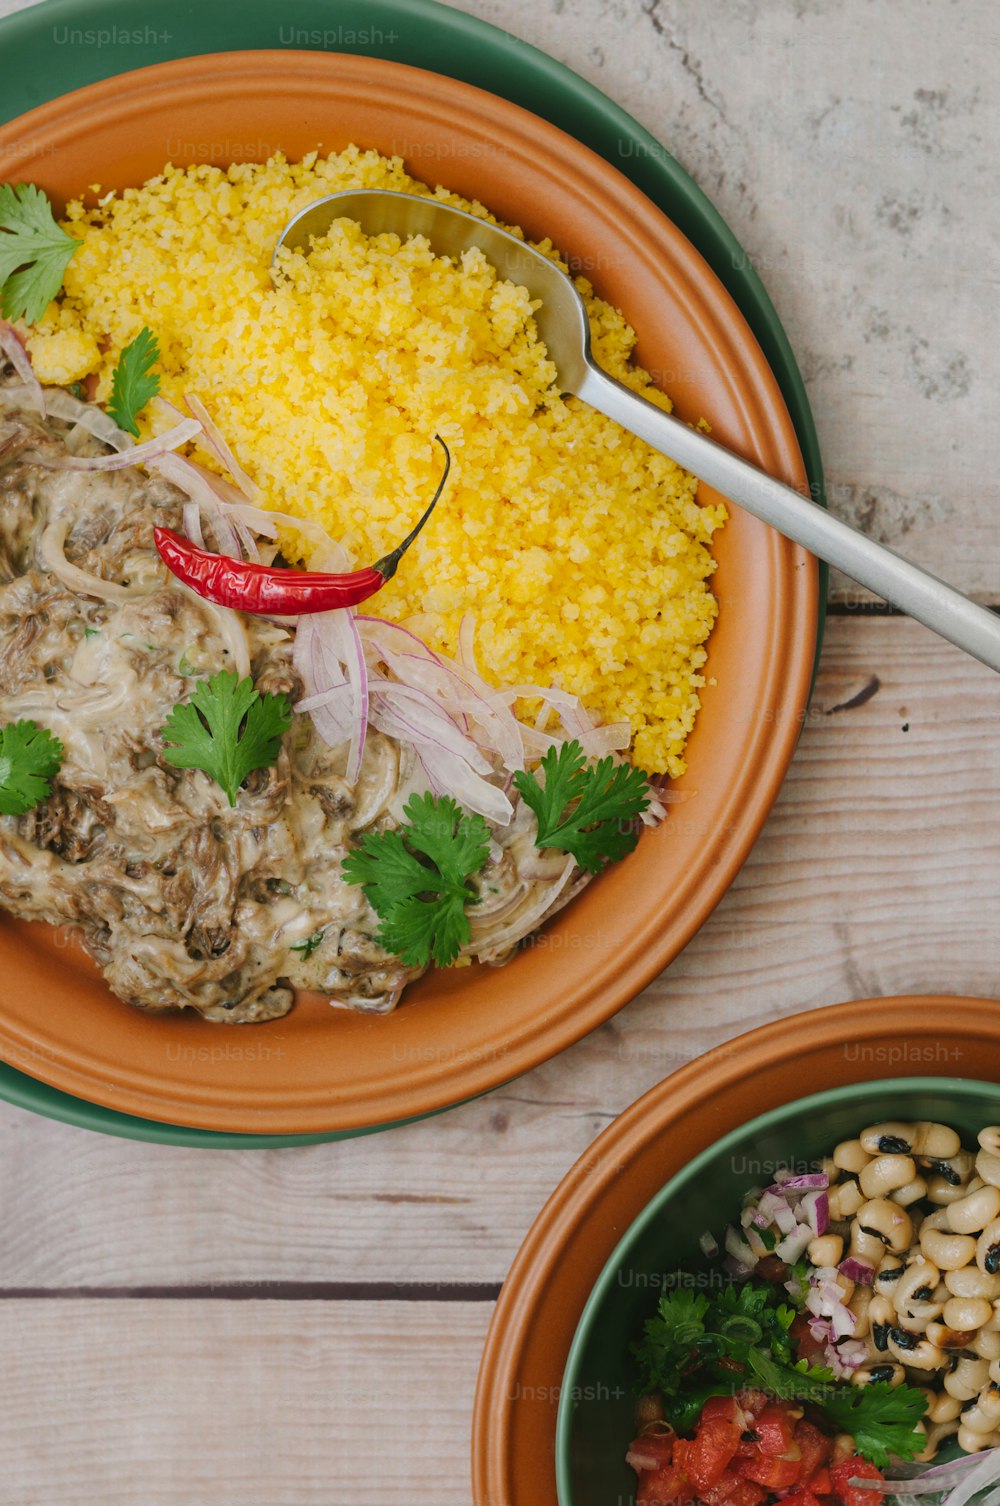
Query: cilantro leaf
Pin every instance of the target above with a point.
(228, 729)
(584, 808)
(34, 252)
(416, 878)
(133, 383)
(881, 1419)
(30, 758)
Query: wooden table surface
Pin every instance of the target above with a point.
(303, 1327)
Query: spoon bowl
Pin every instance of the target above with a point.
(563, 325)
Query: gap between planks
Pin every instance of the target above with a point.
(269, 1291)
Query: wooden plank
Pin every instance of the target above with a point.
(875, 875)
(264, 1403)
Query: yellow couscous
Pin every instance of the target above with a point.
(581, 554)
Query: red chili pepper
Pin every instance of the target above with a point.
(269, 590)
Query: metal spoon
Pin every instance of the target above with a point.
(563, 325)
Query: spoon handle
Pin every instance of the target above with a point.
(918, 593)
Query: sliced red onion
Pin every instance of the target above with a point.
(915, 1480)
(71, 410)
(219, 447)
(467, 643)
(656, 810)
(857, 1271)
(139, 454)
(15, 350)
(333, 654)
(427, 718)
(708, 1244)
(192, 523)
(321, 674)
(498, 728)
(193, 482)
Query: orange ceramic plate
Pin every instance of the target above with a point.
(457, 1033)
(521, 1374)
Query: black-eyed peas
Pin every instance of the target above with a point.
(924, 1214)
(937, 1433)
(890, 1224)
(850, 1155)
(979, 1207)
(970, 1375)
(891, 1373)
(941, 1407)
(923, 1138)
(825, 1249)
(967, 1313)
(915, 1293)
(947, 1251)
(988, 1249)
(909, 1194)
(884, 1174)
(970, 1281)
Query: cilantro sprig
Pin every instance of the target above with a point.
(30, 758)
(133, 382)
(699, 1346)
(585, 809)
(228, 729)
(416, 878)
(880, 1419)
(34, 252)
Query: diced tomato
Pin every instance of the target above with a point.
(854, 1468)
(800, 1498)
(715, 1442)
(775, 1474)
(747, 1494)
(815, 1449)
(666, 1486)
(720, 1493)
(819, 1482)
(720, 1409)
(775, 1428)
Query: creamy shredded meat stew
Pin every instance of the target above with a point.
(180, 898)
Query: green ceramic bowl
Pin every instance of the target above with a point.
(597, 1399)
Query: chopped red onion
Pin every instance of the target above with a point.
(793, 1245)
(815, 1207)
(857, 1271)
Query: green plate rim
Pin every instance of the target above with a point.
(761, 1123)
(443, 40)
